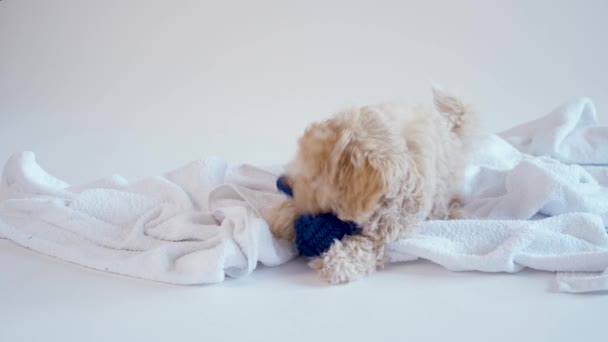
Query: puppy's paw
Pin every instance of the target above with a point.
(347, 260)
(455, 211)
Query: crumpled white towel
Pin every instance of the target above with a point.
(184, 227)
(529, 206)
(570, 134)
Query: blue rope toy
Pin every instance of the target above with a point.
(316, 233)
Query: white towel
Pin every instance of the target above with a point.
(529, 205)
(183, 228)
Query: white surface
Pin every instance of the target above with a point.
(203, 75)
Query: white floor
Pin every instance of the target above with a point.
(140, 87)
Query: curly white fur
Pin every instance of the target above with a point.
(384, 167)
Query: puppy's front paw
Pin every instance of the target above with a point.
(347, 260)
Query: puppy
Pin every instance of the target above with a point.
(383, 166)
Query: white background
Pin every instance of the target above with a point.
(140, 87)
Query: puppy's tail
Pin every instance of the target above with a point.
(459, 114)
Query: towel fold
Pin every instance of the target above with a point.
(535, 196)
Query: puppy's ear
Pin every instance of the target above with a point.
(360, 180)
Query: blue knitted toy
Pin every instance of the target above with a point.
(316, 233)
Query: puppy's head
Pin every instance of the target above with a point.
(346, 165)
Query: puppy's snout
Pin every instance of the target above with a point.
(305, 203)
